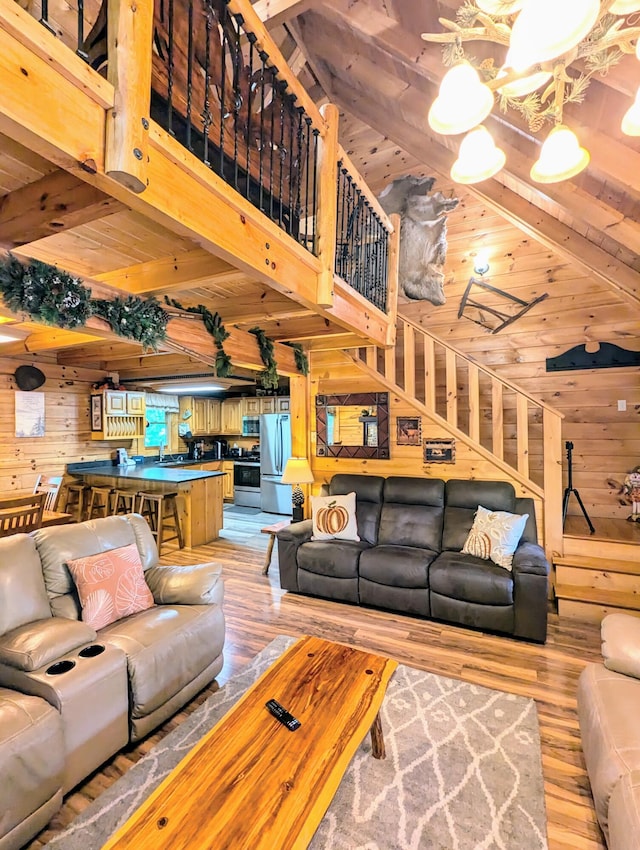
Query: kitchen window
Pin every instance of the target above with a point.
(156, 431)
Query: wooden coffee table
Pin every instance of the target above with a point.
(250, 783)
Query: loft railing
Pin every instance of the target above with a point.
(362, 237)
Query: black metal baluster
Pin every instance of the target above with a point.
(299, 132)
(366, 252)
(351, 226)
(207, 118)
(44, 17)
(170, 70)
(251, 86)
(344, 218)
(378, 266)
(263, 57)
(81, 53)
(306, 180)
(316, 133)
(274, 92)
(189, 77)
(237, 95)
(385, 265)
(282, 151)
(290, 189)
(223, 85)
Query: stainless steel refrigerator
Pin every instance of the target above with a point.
(275, 451)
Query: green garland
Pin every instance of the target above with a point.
(142, 319)
(269, 375)
(302, 361)
(44, 293)
(213, 324)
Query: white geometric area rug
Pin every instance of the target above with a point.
(462, 772)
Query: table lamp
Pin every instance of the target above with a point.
(297, 472)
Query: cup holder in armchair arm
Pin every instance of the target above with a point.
(59, 667)
(530, 592)
(92, 650)
(41, 643)
(289, 541)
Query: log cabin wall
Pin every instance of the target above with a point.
(67, 437)
(578, 310)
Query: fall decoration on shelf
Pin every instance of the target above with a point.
(214, 326)
(44, 292)
(269, 375)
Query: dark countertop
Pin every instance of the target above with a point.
(143, 472)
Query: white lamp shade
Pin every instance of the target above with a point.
(463, 101)
(561, 157)
(478, 158)
(523, 85)
(638, 49)
(500, 7)
(631, 119)
(546, 29)
(625, 7)
(297, 471)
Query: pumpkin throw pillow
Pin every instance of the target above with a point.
(334, 517)
(110, 585)
(495, 535)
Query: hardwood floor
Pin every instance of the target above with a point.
(257, 610)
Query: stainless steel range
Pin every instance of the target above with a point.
(246, 483)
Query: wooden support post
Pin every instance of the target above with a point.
(429, 373)
(129, 70)
(474, 403)
(327, 210)
(452, 388)
(497, 418)
(390, 364)
(522, 433)
(393, 279)
(409, 359)
(552, 440)
(299, 388)
(372, 357)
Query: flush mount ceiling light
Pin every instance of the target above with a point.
(536, 77)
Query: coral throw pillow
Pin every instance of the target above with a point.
(495, 535)
(110, 585)
(334, 517)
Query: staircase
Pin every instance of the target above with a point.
(517, 433)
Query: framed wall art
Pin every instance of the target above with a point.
(96, 413)
(409, 430)
(439, 451)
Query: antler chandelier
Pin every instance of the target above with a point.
(543, 39)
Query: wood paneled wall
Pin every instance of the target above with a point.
(67, 436)
(578, 310)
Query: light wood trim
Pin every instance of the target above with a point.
(393, 279)
(522, 433)
(166, 273)
(606, 564)
(22, 26)
(371, 356)
(429, 372)
(409, 364)
(474, 403)
(361, 183)
(326, 221)
(389, 365)
(355, 313)
(129, 33)
(276, 12)
(252, 23)
(451, 387)
(497, 418)
(599, 596)
(552, 471)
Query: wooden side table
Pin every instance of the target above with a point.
(272, 530)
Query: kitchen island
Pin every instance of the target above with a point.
(199, 491)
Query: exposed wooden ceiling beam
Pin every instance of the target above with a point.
(540, 225)
(53, 203)
(275, 12)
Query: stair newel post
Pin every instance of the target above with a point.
(497, 418)
(392, 274)
(429, 372)
(474, 403)
(130, 35)
(409, 360)
(327, 220)
(522, 433)
(552, 454)
(451, 387)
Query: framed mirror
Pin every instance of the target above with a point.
(353, 425)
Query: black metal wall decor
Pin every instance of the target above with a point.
(608, 356)
(491, 318)
(439, 451)
(369, 410)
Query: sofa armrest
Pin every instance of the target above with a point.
(37, 644)
(530, 558)
(289, 541)
(195, 584)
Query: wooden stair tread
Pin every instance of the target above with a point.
(588, 562)
(599, 596)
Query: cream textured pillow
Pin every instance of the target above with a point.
(495, 535)
(334, 517)
(110, 585)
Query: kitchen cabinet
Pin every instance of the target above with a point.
(205, 415)
(227, 481)
(232, 416)
(117, 415)
(200, 419)
(252, 406)
(268, 404)
(214, 415)
(283, 404)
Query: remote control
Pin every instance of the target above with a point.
(280, 713)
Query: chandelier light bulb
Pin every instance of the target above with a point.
(631, 119)
(481, 262)
(463, 101)
(500, 8)
(546, 29)
(561, 157)
(624, 7)
(478, 159)
(523, 85)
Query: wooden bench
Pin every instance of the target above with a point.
(272, 530)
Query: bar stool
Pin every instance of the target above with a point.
(158, 508)
(74, 500)
(123, 501)
(99, 501)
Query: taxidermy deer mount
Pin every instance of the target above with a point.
(423, 235)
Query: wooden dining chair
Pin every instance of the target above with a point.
(50, 486)
(21, 514)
